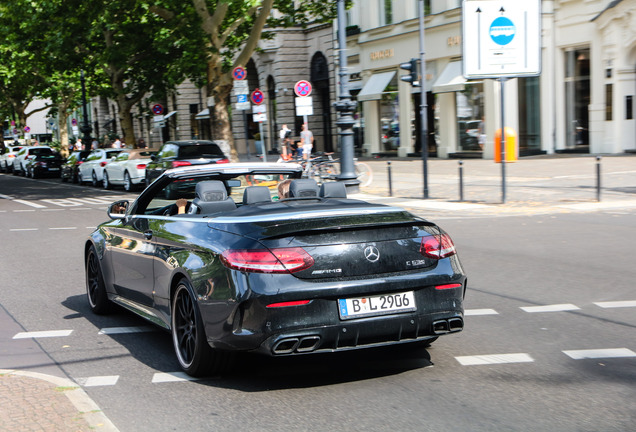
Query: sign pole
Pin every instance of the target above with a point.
(423, 102)
(502, 141)
(247, 139)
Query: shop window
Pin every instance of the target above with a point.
(629, 108)
(470, 117)
(386, 12)
(577, 96)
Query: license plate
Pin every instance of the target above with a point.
(54, 169)
(376, 305)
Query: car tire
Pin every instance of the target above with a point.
(106, 182)
(33, 174)
(80, 179)
(22, 171)
(95, 287)
(128, 185)
(75, 176)
(194, 354)
(94, 181)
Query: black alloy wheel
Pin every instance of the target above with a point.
(194, 354)
(95, 287)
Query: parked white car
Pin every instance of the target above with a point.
(19, 163)
(7, 158)
(128, 168)
(92, 170)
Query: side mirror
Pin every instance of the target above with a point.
(153, 157)
(118, 209)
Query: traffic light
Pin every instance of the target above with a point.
(412, 78)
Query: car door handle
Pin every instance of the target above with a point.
(148, 234)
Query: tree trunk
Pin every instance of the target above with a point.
(63, 125)
(223, 129)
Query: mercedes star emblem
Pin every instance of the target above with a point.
(371, 253)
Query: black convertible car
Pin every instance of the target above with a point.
(214, 255)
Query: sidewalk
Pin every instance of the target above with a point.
(33, 401)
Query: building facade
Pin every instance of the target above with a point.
(583, 100)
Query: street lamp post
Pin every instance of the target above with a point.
(345, 108)
(86, 128)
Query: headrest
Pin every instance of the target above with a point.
(333, 190)
(211, 190)
(303, 188)
(256, 194)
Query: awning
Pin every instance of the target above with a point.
(205, 114)
(170, 114)
(375, 86)
(451, 79)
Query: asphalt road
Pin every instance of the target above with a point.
(544, 291)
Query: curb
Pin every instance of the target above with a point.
(87, 408)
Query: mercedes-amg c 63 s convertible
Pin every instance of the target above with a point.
(227, 259)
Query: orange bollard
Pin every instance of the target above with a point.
(511, 145)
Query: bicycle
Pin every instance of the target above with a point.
(325, 167)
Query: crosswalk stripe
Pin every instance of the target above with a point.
(616, 304)
(599, 353)
(43, 334)
(494, 359)
(29, 203)
(477, 312)
(550, 308)
(171, 377)
(97, 381)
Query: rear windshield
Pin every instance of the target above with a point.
(41, 151)
(202, 150)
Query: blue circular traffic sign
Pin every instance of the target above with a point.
(302, 88)
(257, 97)
(239, 73)
(502, 31)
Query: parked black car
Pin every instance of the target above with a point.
(235, 265)
(175, 154)
(71, 166)
(44, 164)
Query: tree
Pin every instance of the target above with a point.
(230, 31)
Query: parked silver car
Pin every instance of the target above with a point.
(92, 170)
(7, 158)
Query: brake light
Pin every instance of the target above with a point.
(448, 286)
(289, 303)
(141, 166)
(437, 246)
(103, 164)
(11, 155)
(222, 161)
(176, 164)
(281, 260)
(80, 162)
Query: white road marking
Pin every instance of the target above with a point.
(22, 211)
(477, 312)
(550, 308)
(171, 377)
(63, 228)
(124, 330)
(616, 304)
(600, 353)
(96, 381)
(29, 203)
(43, 334)
(24, 229)
(494, 359)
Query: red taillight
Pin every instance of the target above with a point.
(289, 303)
(437, 246)
(220, 161)
(448, 286)
(280, 260)
(176, 164)
(11, 156)
(141, 166)
(80, 162)
(103, 164)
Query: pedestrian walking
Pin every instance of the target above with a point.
(306, 141)
(285, 135)
(141, 143)
(117, 143)
(78, 144)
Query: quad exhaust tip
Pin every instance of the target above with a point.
(304, 344)
(448, 325)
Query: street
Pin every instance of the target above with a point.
(548, 342)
